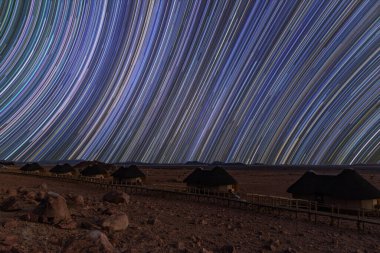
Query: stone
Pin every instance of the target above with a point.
(69, 224)
(180, 246)
(94, 242)
(152, 221)
(89, 225)
(8, 242)
(43, 187)
(53, 209)
(116, 222)
(11, 192)
(10, 204)
(227, 249)
(116, 197)
(31, 195)
(79, 200)
(10, 223)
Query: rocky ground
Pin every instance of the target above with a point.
(41, 215)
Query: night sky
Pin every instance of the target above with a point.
(273, 82)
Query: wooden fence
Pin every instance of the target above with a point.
(249, 201)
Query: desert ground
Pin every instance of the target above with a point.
(166, 225)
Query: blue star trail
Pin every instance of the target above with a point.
(274, 82)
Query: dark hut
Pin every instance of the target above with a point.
(85, 164)
(216, 179)
(94, 171)
(64, 169)
(348, 189)
(32, 168)
(131, 174)
(7, 163)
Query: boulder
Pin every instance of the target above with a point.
(8, 243)
(31, 195)
(94, 242)
(53, 209)
(79, 200)
(116, 197)
(116, 222)
(227, 249)
(11, 192)
(43, 187)
(11, 204)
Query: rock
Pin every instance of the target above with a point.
(206, 251)
(11, 223)
(227, 249)
(8, 242)
(10, 204)
(180, 246)
(43, 187)
(22, 190)
(53, 209)
(40, 195)
(203, 222)
(117, 222)
(79, 200)
(70, 224)
(289, 250)
(89, 225)
(94, 242)
(11, 192)
(152, 221)
(30, 195)
(116, 197)
(109, 211)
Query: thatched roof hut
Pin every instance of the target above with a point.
(346, 188)
(128, 173)
(32, 167)
(85, 164)
(216, 179)
(94, 171)
(4, 162)
(62, 169)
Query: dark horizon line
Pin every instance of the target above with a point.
(188, 163)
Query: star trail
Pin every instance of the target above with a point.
(274, 82)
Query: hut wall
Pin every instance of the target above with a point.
(369, 204)
(137, 180)
(305, 197)
(221, 188)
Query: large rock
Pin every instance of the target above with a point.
(11, 192)
(16, 203)
(8, 242)
(94, 242)
(116, 197)
(11, 204)
(116, 222)
(53, 209)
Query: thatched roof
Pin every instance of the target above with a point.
(210, 178)
(4, 162)
(93, 171)
(128, 172)
(31, 167)
(85, 164)
(62, 169)
(348, 185)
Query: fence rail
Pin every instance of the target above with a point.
(253, 202)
